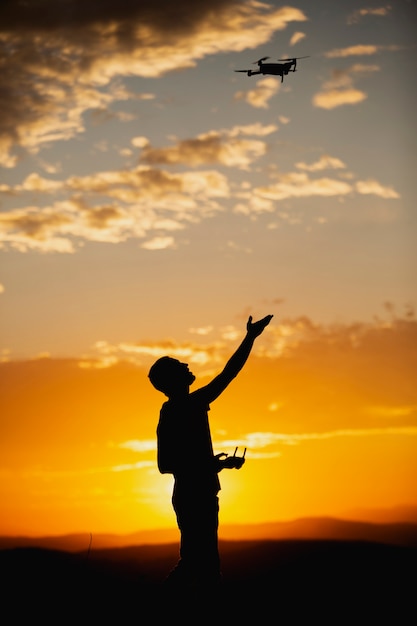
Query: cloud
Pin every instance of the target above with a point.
(333, 98)
(359, 50)
(139, 353)
(375, 188)
(139, 203)
(67, 60)
(152, 204)
(35, 182)
(261, 440)
(29, 228)
(207, 149)
(139, 142)
(299, 185)
(257, 129)
(357, 15)
(296, 37)
(159, 243)
(290, 337)
(129, 467)
(254, 442)
(139, 445)
(203, 330)
(324, 163)
(50, 474)
(340, 90)
(328, 381)
(357, 380)
(259, 97)
(391, 412)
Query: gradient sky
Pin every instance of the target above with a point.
(151, 199)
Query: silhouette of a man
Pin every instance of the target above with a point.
(185, 450)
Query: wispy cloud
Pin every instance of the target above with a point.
(359, 14)
(285, 338)
(207, 149)
(375, 188)
(140, 203)
(325, 162)
(296, 37)
(256, 442)
(139, 353)
(153, 204)
(332, 98)
(314, 382)
(159, 243)
(359, 50)
(47, 473)
(298, 185)
(340, 89)
(259, 96)
(391, 412)
(139, 445)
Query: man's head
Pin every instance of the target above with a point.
(170, 376)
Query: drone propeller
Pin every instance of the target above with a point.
(243, 71)
(293, 59)
(260, 60)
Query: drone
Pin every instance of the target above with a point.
(276, 69)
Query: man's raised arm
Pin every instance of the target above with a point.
(237, 360)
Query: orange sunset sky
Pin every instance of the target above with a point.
(151, 200)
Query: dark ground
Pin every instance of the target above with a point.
(281, 582)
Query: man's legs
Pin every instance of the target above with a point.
(198, 521)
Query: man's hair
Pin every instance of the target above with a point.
(160, 374)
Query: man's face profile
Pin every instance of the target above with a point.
(180, 372)
(170, 375)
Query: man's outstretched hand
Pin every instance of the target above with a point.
(256, 328)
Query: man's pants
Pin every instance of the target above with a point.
(198, 522)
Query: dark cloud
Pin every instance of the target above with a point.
(54, 56)
(45, 46)
(103, 216)
(206, 149)
(71, 15)
(35, 225)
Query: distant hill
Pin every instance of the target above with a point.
(399, 533)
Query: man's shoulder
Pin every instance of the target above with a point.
(194, 400)
(199, 397)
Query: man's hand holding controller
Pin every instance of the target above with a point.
(230, 462)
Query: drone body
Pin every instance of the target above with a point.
(274, 69)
